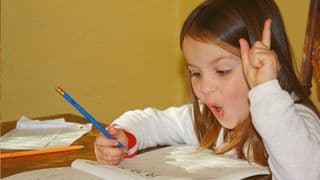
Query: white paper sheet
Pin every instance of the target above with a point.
(36, 134)
(192, 161)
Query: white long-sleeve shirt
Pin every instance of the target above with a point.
(290, 132)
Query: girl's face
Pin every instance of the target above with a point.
(218, 81)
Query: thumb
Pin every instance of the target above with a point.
(113, 130)
(119, 135)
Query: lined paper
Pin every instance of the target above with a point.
(35, 134)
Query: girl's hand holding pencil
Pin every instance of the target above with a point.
(106, 150)
(111, 145)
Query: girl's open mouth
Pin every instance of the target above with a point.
(217, 111)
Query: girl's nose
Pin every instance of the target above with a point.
(207, 86)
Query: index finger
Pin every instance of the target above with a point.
(102, 140)
(266, 33)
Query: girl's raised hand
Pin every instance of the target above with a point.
(260, 63)
(106, 149)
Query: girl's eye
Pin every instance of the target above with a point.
(195, 74)
(223, 72)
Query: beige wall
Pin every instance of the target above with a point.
(111, 56)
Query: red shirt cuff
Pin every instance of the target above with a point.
(132, 145)
(131, 139)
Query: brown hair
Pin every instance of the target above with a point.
(228, 21)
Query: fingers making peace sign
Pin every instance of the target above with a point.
(259, 62)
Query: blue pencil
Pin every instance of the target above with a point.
(87, 115)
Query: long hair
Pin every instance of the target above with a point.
(228, 21)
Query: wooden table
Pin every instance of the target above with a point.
(62, 159)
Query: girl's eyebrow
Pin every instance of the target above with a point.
(215, 61)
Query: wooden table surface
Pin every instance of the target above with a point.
(62, 159)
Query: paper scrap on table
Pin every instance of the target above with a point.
(36, 134)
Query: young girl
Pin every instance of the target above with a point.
(247, 101)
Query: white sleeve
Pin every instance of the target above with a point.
(290, 132)
(153, 127)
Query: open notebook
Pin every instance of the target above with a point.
(173, 162)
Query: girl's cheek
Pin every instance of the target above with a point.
(194, 85)
(195, 89)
